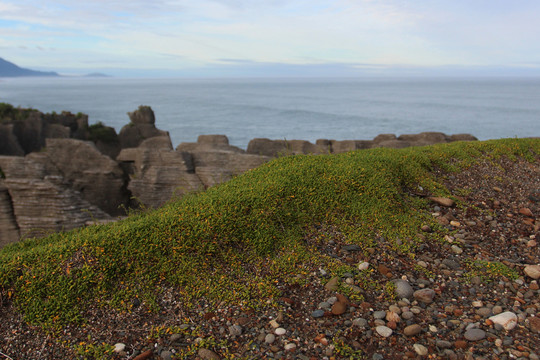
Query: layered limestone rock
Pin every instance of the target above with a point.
(141, 127)
(275, 148)
(41, 200)
(99, 179)
(9, 230)
(44, 206)
(215, 161)
(158, 173)
(25, 130)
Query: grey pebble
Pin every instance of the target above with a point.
(475, 334)
(317, 313)
(403, 289)
(379, 314)
(166, 355)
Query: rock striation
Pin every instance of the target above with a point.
(58, 173)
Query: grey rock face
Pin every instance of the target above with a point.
(158, 173)
(98, 178)
(141, 128)
(9, 230)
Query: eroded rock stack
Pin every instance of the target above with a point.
(89, 173)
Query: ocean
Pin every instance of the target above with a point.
(307, 109)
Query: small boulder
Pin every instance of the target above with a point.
(508, 320)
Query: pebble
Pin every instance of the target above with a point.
(360, 322)
(532, 271)
(206, 354)
(379, 314)
(407, 315)
(269, 338)
(534, 324)
(317, 313)
(457, 250)
(383, 331)
(339, 308)
(235, 330)
(290, 347)
(145, 355)
(280, 331)
(424, 295)
(484, 311)
(403, 289)
(363, 266)
(420, 349)
(166, 355)
(119, 347)
(274, 324)
(508, 320)
(412, 330)
(475, 334)
(442, 201)
(443, 344)
(332, 284)
(497, 310)
(392, 316)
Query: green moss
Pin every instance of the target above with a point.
(237, 241)
(101, 132)
(489, 271)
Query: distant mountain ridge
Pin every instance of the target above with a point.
(9, 69)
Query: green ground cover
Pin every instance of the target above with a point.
(236, 241)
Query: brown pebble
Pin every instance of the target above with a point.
(383, 269)
(460, 344)
(392, 325)
(339, 308)
(412, 330)
(534, 285)
(209, 315)
(206, 354)
(526, 211)
(442, 201)
(145, 355)
(342, 298)
(534, 323)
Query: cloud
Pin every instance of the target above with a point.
(185, 34)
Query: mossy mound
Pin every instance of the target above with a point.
(235, 241)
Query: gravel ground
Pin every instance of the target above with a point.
(442, 310)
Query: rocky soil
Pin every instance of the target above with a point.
(441, 304)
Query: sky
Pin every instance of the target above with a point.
(273, 37)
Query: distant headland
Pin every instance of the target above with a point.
(10, 70)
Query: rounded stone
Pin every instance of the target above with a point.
(166, 355)
(290, 347)
(317, 314)
(379, 314)
(119, 347)
(280, 331)
(269, 338)
(475, 334)
(412, 330)
(363, 266)
(532, 271)
(383, 331)
(206, 354)
(424, 295)
(235, 330)
(360, 322)
(508, 320)
(420, 349)
(403, 289)
(339, 308)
